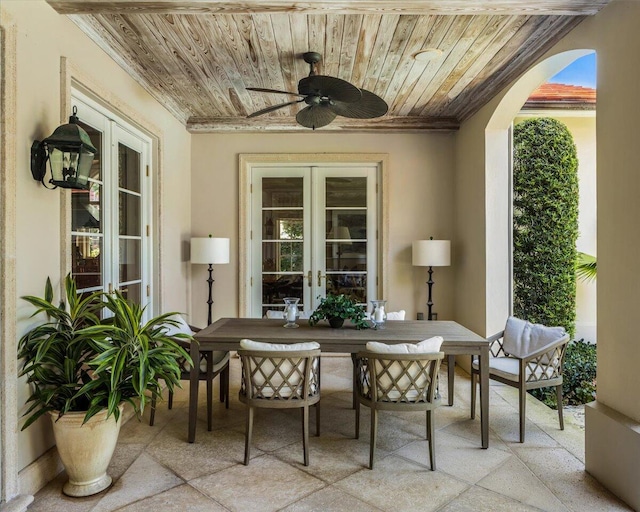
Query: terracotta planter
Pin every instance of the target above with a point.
(86, 450)
(336, 322)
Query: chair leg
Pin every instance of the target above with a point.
(305, 434)
(353, 388)
(225, 379)
(430, 437)
(170, 400)
(248, 435)
(209, 395)
(523, 402)
(559, 399)
(357, 419)
(473, 394)
(152, 416)
(318, 419)
(374, 435)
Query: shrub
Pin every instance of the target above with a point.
(579, 377)
(545, 223)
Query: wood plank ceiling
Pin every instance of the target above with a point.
(197, 57)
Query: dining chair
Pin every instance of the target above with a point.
(280, 376)
(212, 363)
(402, 377)
(525, 356)
(274, 313)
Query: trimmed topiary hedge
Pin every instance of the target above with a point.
(545, 223)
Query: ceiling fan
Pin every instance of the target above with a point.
(327, 97)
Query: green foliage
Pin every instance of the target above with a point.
(579, 377)
(586, 267)
(545, 217)
(77, 362)
(339, 306)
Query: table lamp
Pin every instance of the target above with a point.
(431, 253)
(209, 251)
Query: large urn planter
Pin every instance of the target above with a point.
(86, 450)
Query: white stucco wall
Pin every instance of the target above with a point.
(420, 205)
(43, 37)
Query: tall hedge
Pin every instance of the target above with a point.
(545, 217)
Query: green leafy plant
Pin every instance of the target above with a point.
(339, 306)
(579, 376)
(77, 362)
(545, 223)
(586, 267)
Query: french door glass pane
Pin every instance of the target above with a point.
(130, 268)
(87, 223)
(128, 168)
(129, 214)
(86, 261)
(346, 236)
(132, 291)
(282, 240)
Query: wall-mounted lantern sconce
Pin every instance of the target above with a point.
(70, 154)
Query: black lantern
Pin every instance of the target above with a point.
(70, 154)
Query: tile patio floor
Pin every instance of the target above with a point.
(155, 469)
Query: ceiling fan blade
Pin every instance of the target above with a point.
(330, 87)
(273, 107)
(261, 89)
(370, 106)
(315, 117)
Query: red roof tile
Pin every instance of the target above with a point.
(562, 96)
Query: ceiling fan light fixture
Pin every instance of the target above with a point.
(427, 54)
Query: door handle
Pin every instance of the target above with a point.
(310, 278)
(320, 278)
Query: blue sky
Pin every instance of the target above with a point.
(581, 72)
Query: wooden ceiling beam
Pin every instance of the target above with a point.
(288, 124)
(434, 7)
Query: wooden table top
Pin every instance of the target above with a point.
(226, 333)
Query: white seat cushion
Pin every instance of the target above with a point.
(522, 338)
(396, 315)
(271, 313)
(259, 345)
(509, 368)
(427, 346)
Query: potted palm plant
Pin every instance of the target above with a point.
(338, 308)
(83, 369)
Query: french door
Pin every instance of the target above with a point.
(111, 222)
(313, 232)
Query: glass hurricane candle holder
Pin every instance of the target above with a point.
(291, 312)
(378, 313)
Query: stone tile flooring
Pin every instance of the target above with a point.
(155, 469)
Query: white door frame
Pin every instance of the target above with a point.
(249, 160)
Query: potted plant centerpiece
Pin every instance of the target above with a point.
(338, 308)
(83, 369)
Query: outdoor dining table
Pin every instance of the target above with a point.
(226, 333)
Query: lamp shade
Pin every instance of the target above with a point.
(431, 253)
(210, 250)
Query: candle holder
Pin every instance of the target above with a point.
(291, 312)
(378, 313)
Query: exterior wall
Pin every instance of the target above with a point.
(582, 126)
(420, 203)
(43, 37)
(613, 34)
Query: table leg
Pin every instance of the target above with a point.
(484, 395)
(193, 390)
(451, 368)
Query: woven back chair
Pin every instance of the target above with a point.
(526, 369)
(397, 382)
(280, 379)
(212, 363)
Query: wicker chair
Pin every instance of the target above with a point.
(212, 364)
(280, 377)
(397, 382)
(525, 356)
